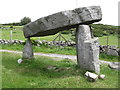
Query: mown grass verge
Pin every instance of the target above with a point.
(34, 74)
(58, 50)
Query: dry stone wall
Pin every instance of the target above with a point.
(107, 49)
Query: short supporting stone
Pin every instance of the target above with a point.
(87, 49)
(28, 51)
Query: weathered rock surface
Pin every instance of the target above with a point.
(112, 52)
(114, 65)
(87, 49)
(64, 20)
(51, 67)
(28, 51)
(19, 61)
(91, 76)
(102, 76)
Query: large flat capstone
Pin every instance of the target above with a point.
(64, 20)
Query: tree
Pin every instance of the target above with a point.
(25, 20)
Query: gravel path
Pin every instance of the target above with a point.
(43, 54)
(52, 55)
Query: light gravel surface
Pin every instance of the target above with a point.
(72, 57)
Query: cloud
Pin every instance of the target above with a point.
(14, 10)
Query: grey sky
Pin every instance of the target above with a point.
(14, 10)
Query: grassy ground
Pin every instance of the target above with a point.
(58, 50)
(0, 66)
(34, 74)
(18, 34)
(0, 71)
(112, 40)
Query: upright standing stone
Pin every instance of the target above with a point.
(87, 49)
(28, 51)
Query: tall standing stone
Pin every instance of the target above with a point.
(87, 49)
(28, 51)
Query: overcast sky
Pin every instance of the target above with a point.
(15, 10)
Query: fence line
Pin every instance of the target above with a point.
(12, 34)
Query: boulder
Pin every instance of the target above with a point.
(102, 76)
(113, 47)
(64, 20)
(20, 61)
(112, 52)
(118, 50)
(51, 67)
(91, 76)
(114, 65)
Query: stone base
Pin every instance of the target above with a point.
(28, 51)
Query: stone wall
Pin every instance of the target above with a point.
(38, 42)
(11, 42)
(110, 50)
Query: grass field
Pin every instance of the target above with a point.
(58, 50)
(18, 34)
(36, 75)
(112, 40)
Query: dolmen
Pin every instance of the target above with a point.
(79, 18)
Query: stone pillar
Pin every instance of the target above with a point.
(28, 51)
(87, 49)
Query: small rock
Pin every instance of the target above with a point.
(113, 47)
(112, 52)
(114, 65)
(20, 61)
(102, 76)
(91, 76)
(51, 67)
(38, 45)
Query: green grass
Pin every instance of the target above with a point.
(0, 67)
(34, 74)
(44, 49)
(112, 40)
(0, 70)
(58, 50)
(109, 57)
(18, 34)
